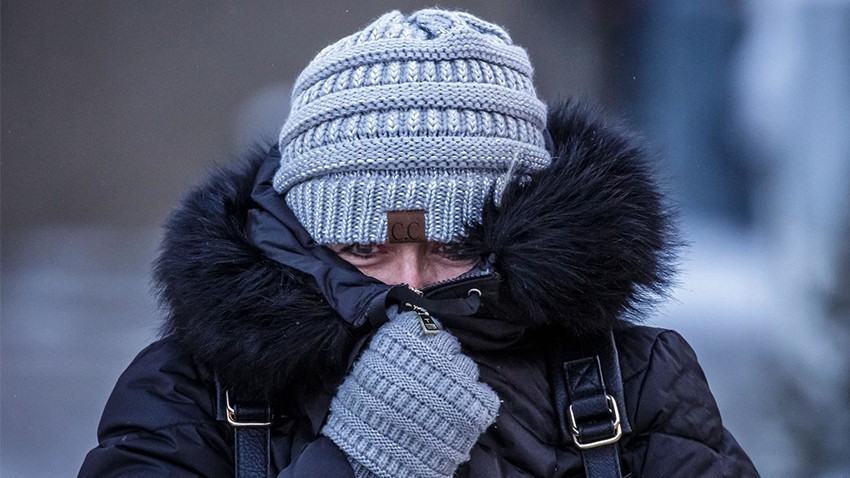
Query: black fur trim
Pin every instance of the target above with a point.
(256, 323)
(586, 243)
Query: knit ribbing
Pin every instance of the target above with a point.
(348, 208)
(376, 99)
(412, 404)
(431, 93)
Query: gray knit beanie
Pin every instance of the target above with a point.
(433, 112)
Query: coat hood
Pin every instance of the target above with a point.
(584, 245)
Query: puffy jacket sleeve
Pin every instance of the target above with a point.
(677, 427)
(159, 421)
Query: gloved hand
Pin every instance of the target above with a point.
(412, 405)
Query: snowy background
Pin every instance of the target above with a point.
(111, 110)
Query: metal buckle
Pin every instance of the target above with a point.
(618, 431)
(232, 420)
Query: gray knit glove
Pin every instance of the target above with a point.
(412, 405)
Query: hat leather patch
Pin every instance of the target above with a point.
(406, 226)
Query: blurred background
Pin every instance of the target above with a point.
(112, 110)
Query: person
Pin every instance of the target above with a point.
(382, 292)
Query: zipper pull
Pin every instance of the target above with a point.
(428, 325)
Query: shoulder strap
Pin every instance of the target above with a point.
(588, 389)
(589, 399)
(251, 422)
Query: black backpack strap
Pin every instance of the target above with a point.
(588, 390)
(251, 422)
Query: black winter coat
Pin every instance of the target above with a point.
(578, 249)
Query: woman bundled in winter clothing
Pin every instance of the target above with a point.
(415, 281)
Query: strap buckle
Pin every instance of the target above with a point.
(615, 424)
(231, 415)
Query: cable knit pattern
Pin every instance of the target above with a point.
(433, 93)
(412, 405)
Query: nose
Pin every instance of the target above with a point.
(411, 267)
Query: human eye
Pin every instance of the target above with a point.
(360, 251)
(440, 248)
(448, 251)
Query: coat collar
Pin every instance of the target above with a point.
(584, 245)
